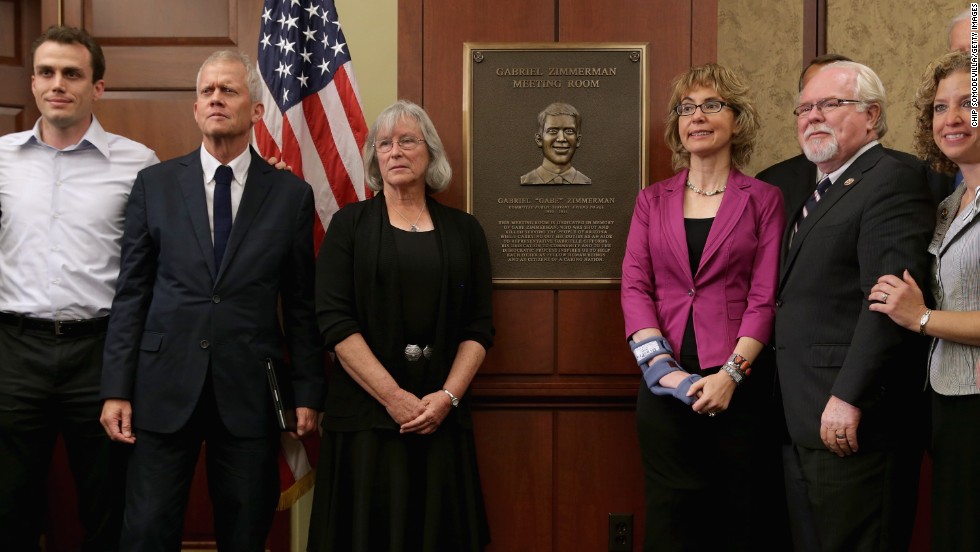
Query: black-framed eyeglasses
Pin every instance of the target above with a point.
(824, 105)
(405, 143)
(710, 106)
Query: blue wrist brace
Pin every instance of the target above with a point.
(680, 392)
(662, 367)
(659, 369)
(649, 348)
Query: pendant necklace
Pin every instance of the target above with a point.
(415, 227)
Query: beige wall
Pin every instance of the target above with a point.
(371, 28)
(896, 38)
(766, 51)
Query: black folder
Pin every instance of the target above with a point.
(285, 413)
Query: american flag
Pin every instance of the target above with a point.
(313, 121)
(318, 128)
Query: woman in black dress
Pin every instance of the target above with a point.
(403, 300)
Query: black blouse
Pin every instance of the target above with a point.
(697, 236)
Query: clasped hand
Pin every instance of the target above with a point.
(415, 415)
(714, 393)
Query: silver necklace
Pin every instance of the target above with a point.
(699, 191)
(415, 226)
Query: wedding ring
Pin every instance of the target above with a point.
(884, 297)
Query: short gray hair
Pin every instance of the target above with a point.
(868, 88)
(963, 15)
(437, 175)
(252, 77)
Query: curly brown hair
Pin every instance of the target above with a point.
(925, 144)
(733, 90)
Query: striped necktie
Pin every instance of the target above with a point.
(811, 202)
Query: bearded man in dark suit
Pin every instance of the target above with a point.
(940, 185)
(851, 383)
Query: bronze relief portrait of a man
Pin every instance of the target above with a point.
(559, 136)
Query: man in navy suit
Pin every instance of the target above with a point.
(214, 243)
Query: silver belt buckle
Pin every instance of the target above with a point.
(413, 352)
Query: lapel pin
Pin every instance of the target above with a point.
(944, 213)
(849, 181)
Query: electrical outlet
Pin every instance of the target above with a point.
(620, 532)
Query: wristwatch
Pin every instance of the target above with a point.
(453, 399)
(923, 321)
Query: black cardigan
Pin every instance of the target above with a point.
(357, 291)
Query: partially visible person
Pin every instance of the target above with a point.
(63, 191)
(403, 300)
(940, 185)
(559, 136)
(958, 32)
(946, 139)
(216, 283)
(958, 39)
(816, 64)
(851, 380)
(698, 297)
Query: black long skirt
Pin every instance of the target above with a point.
(380, 490)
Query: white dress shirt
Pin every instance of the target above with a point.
(239, 166)
(61, 221)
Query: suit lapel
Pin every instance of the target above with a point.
(257, 186)
(729, 212)
(191, 182)
(806, 177)
(847, 181)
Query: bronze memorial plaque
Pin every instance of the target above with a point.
(555, 139)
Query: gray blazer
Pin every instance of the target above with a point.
(955, 247)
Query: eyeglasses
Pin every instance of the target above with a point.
(405, 143)
(827, 104)
(710, 106)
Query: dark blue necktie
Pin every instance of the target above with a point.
(222, 212)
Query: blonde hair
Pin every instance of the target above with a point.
(733, 90)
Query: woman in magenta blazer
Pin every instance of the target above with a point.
(698, 296)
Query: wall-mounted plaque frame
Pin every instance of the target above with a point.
(555, 202)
